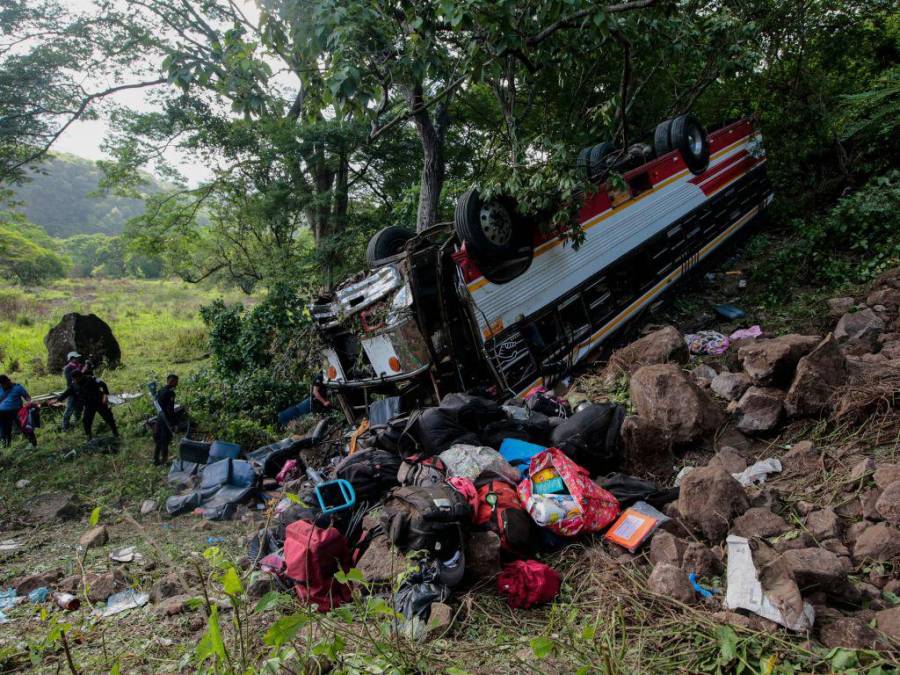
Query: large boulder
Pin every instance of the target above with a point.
(709, 500)
(647, 448)
(665, 395)
(89, 335)
(818, 374)
(660, 346)
(52, 506)
(759, 410)
(772, 362)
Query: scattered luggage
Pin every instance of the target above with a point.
(313, 556)
(527, 583)
(426, 518)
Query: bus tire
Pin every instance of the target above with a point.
(688, 136)
(662, 144)
(488, 228)
(600, 159)
(386, 243)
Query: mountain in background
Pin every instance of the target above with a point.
(57, 198)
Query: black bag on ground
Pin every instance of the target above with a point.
(536, 429)
(472, 412)
(372, 473)
(426, 518)
(629, 489)
(590, 437)
(437, 429)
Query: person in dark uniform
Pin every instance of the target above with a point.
(94, 396)
(73, 405)
(165, 420)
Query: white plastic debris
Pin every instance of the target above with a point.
(745, 591)
(23, 483)
(9, 545)
(127, 599)
(126, 555)
(757, 473)
(681, 474)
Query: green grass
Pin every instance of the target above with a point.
(157, 324)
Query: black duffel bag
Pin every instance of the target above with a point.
(590, 437)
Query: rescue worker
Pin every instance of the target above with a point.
(12, 397)
(165, 420)
(94, 396)
(73, 405)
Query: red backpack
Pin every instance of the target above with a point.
(313, 556)
(499, 510)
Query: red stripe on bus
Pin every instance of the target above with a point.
(718, 168)
(725, 177)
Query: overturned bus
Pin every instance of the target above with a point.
(494, 303)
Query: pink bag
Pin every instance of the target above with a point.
(588, 507)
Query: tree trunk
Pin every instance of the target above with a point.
(431, 134)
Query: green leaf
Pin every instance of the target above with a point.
(285, 629)
(842, 659)
(95, 517)
(211, 644)
(542, 647)
(727, 644)
(268, 601)
(231, 582)
(588, 633)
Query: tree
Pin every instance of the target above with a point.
(45, 50)
(27, 254)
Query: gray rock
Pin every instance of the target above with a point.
(166, 587)
(888, 504)
(667, 548)
(672, 582)
(55, 506)
(730, 386)
(661, 346)
(818, 375)
(101, 586)
(759, 410)
(807, 567)
(801, 458)
(889, 297)
(887, 621)
(823, 524)
(836, 546)
(703, 374)
(701, 560)
(94, 537)
(440, 618)
(837, 307)
(797, 540)
(729, 459)
(772, 362)
(862, 326)
(862, 469)
(26, 584)
(173, 605)
(759, 522)
(87, 334)
(854, 531)
(148, 506)
(665, 395)
(869, 502)
(709, 500)
(879, 542)
(886, 474)
(381, 563)
(849, 633)
(647, 448)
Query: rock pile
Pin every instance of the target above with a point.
(837, 550)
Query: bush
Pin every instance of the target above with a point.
(261, 364)
(852, 243)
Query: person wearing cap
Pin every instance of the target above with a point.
(165, 420)
(12, 398)
(74, 406)
(94, 396)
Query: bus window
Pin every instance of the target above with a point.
(598, 300)
(575, 320)
(548, 330)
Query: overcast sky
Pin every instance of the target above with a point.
(84, 138)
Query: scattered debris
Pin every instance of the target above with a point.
(758, 472)
(121, 602)
(126, 555)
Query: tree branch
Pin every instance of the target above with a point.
(572, 19)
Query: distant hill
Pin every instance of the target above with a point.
(57, 199)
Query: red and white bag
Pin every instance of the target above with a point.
(586, 508)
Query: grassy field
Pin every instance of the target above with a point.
(157, 324)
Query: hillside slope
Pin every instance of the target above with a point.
(57, 198)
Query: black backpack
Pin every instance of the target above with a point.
(426, 518)
(371, 473)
